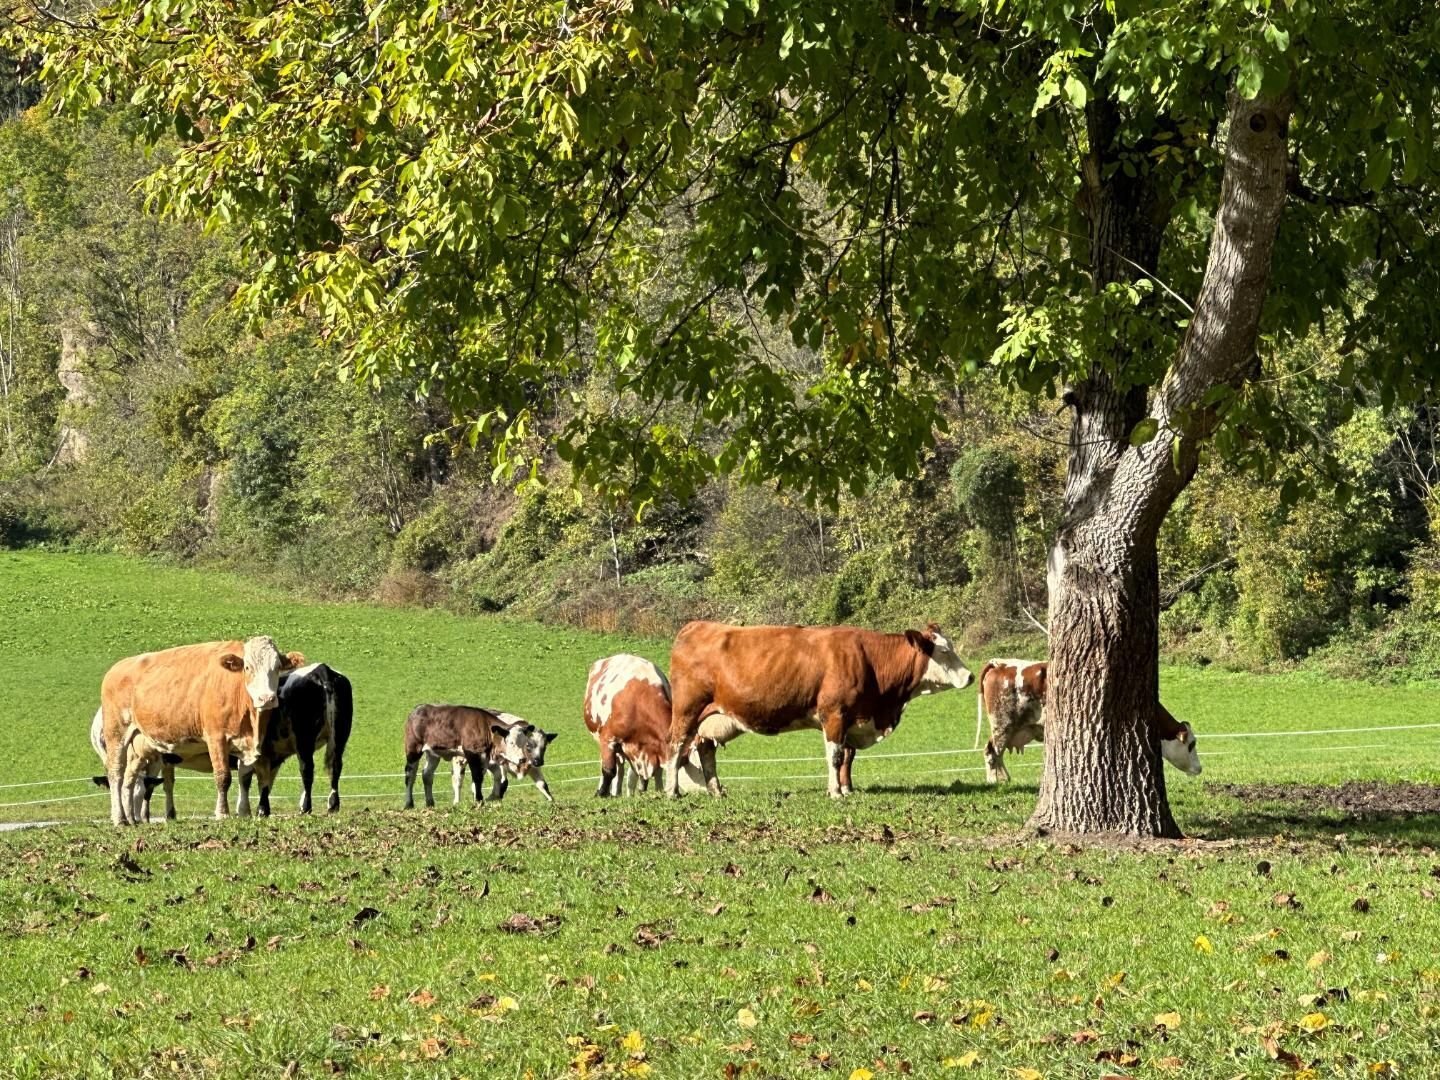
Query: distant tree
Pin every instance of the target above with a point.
(1130, 204)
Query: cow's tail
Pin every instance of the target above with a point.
(980, 703)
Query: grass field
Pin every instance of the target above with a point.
(770, 934)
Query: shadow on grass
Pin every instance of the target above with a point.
(955, 787)
(1361, 812)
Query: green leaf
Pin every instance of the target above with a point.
(1378, 163)
(1075, 91)
(1144, 431)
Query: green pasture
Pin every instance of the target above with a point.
(65, 619)
(775, 933)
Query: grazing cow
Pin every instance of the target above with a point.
(519, 753)
(218, 695)
(316, 706)
(849, 683)
(627, 709)
(1012, 695)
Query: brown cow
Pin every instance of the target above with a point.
(218, 694)
(1012, 695)
(481, 738)
(850, 684)
(627, 709)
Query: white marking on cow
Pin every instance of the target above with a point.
(1182, 752)
(944, 671)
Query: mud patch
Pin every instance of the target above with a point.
(1361, 799)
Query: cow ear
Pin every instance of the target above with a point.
(931, 629)
(496, 729)
(292, 661)
(551, 736)
(230, 662)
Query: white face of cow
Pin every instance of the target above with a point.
(945, 671)
(1182, 752)
(263, 664)
(524, 744)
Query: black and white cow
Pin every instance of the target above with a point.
(518, 752)
(316, 706)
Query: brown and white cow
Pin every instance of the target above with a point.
(218, 695)
(850, 684)
(481, 739)
(627, 710)
(1012, 695)
(521, 752)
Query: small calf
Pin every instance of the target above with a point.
(437, 732)
(521, 752)
(1012, 697)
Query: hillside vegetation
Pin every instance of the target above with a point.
(142, 415)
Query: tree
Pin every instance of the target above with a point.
(494, 196)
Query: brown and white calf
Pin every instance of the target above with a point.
(482, 739)
(519, 753)
(850, 684)
(627, 710)
(218, 695)
(1012, 696)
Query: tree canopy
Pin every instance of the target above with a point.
(801, 222)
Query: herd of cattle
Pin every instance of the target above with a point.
(232, 706)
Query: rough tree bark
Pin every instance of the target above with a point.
(1103, 770)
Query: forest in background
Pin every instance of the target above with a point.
(141, 413)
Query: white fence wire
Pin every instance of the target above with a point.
(292, 778)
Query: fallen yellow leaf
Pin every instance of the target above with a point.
(1170, 1021)
(1202, 944)
(1314, 1022)
(633, 1043)
(1023, 1072)
(747, 1019)
(1316, 960)
(862, 1074)
(968, 1060)
(863, 985)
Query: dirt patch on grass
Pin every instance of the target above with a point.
(1358, 798)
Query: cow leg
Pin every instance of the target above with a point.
(115, 753)
(629, 780)
(167, 779)
(306, 754)
(609, 767)
(707, 768)
(412, 762)
(833, 725)
(457, 774)
(427, 774)
(132, 779)
(242, 805)
(477, 766)
(220, 763)
(846, 787)
(684, 723)
(265, 771)
(995, 771)
(334, 762)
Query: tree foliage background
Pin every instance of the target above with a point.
(675, 304)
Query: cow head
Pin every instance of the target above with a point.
(522, 744)
(262, 665)
(944, 669)
(1181, 751)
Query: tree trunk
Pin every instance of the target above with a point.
(1103, 770)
